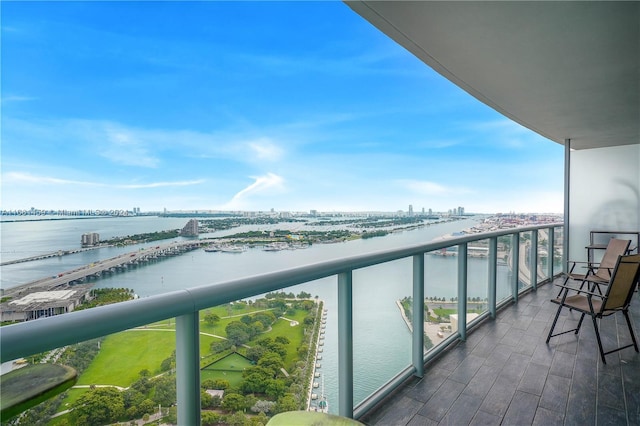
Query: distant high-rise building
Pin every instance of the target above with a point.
(313, 212)
(190, 229)
(90, 239)
(410, 210)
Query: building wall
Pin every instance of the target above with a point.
(604, 194)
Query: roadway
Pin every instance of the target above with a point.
(109, 265)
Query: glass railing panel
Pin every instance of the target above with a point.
(441, 295)
(524, 261)
(274, 352)
(122, 377)
(477, 278)
(558, 248)
(381, 324)
(543, 255)
(504, 270)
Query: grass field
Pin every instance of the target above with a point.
(294, 334)
(228, 368)
(123, 355)
(233, 377)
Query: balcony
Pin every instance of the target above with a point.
(505, 373)
(524, 244)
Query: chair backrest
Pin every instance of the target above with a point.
(615, 249)
(623, 282)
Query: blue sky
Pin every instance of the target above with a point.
(247, 106)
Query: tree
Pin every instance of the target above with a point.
(286, 403)
(132, 398)
(233, 402)
(283, 340)
(147, 407)
(165, 391)
(210, 418)
(263, 406)
(211, 318)
(272, 362)
(256, 352)
(238, 332)
(237, 419)
(99, 406)
(275, 388)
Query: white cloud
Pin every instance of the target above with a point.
(265, 150)
(263, 185)
(28, 178)
(128, 147)
(17, 98)
(423, 187)
(505, 133)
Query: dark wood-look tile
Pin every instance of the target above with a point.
(610, 392)
(546, 417)
(404, 409)
(467, 369)
(485, 419)
(499, 397)
(611, 417)
(505, 373)
(462, 411)
(534, 379)
(555, 393)
(438, 405)
(483, 380)
(419, 420)
(522, 409)
(429, 384)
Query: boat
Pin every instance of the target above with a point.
(212, 249)
(323, 404)
(233, 249)
(277, 246)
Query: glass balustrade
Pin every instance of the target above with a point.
(348, 331)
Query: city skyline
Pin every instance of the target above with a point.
(247, 106)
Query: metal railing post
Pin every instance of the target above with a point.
(345, 344)
(418, 314)
(515, 264)
(533, 259)
(462, 291)
(493, 275)
(188, 368)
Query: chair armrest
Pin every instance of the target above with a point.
(578, 290)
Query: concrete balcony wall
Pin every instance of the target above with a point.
(604, 194)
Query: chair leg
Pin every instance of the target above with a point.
(633, 335)
(579, 323)
(555, 320)
(595, 326)
(564, 284)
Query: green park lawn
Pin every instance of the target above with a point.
(294, 334)
(123, 355)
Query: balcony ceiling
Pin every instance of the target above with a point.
(566, 70)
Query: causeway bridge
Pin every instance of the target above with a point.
(58, 253)
(119, 263)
